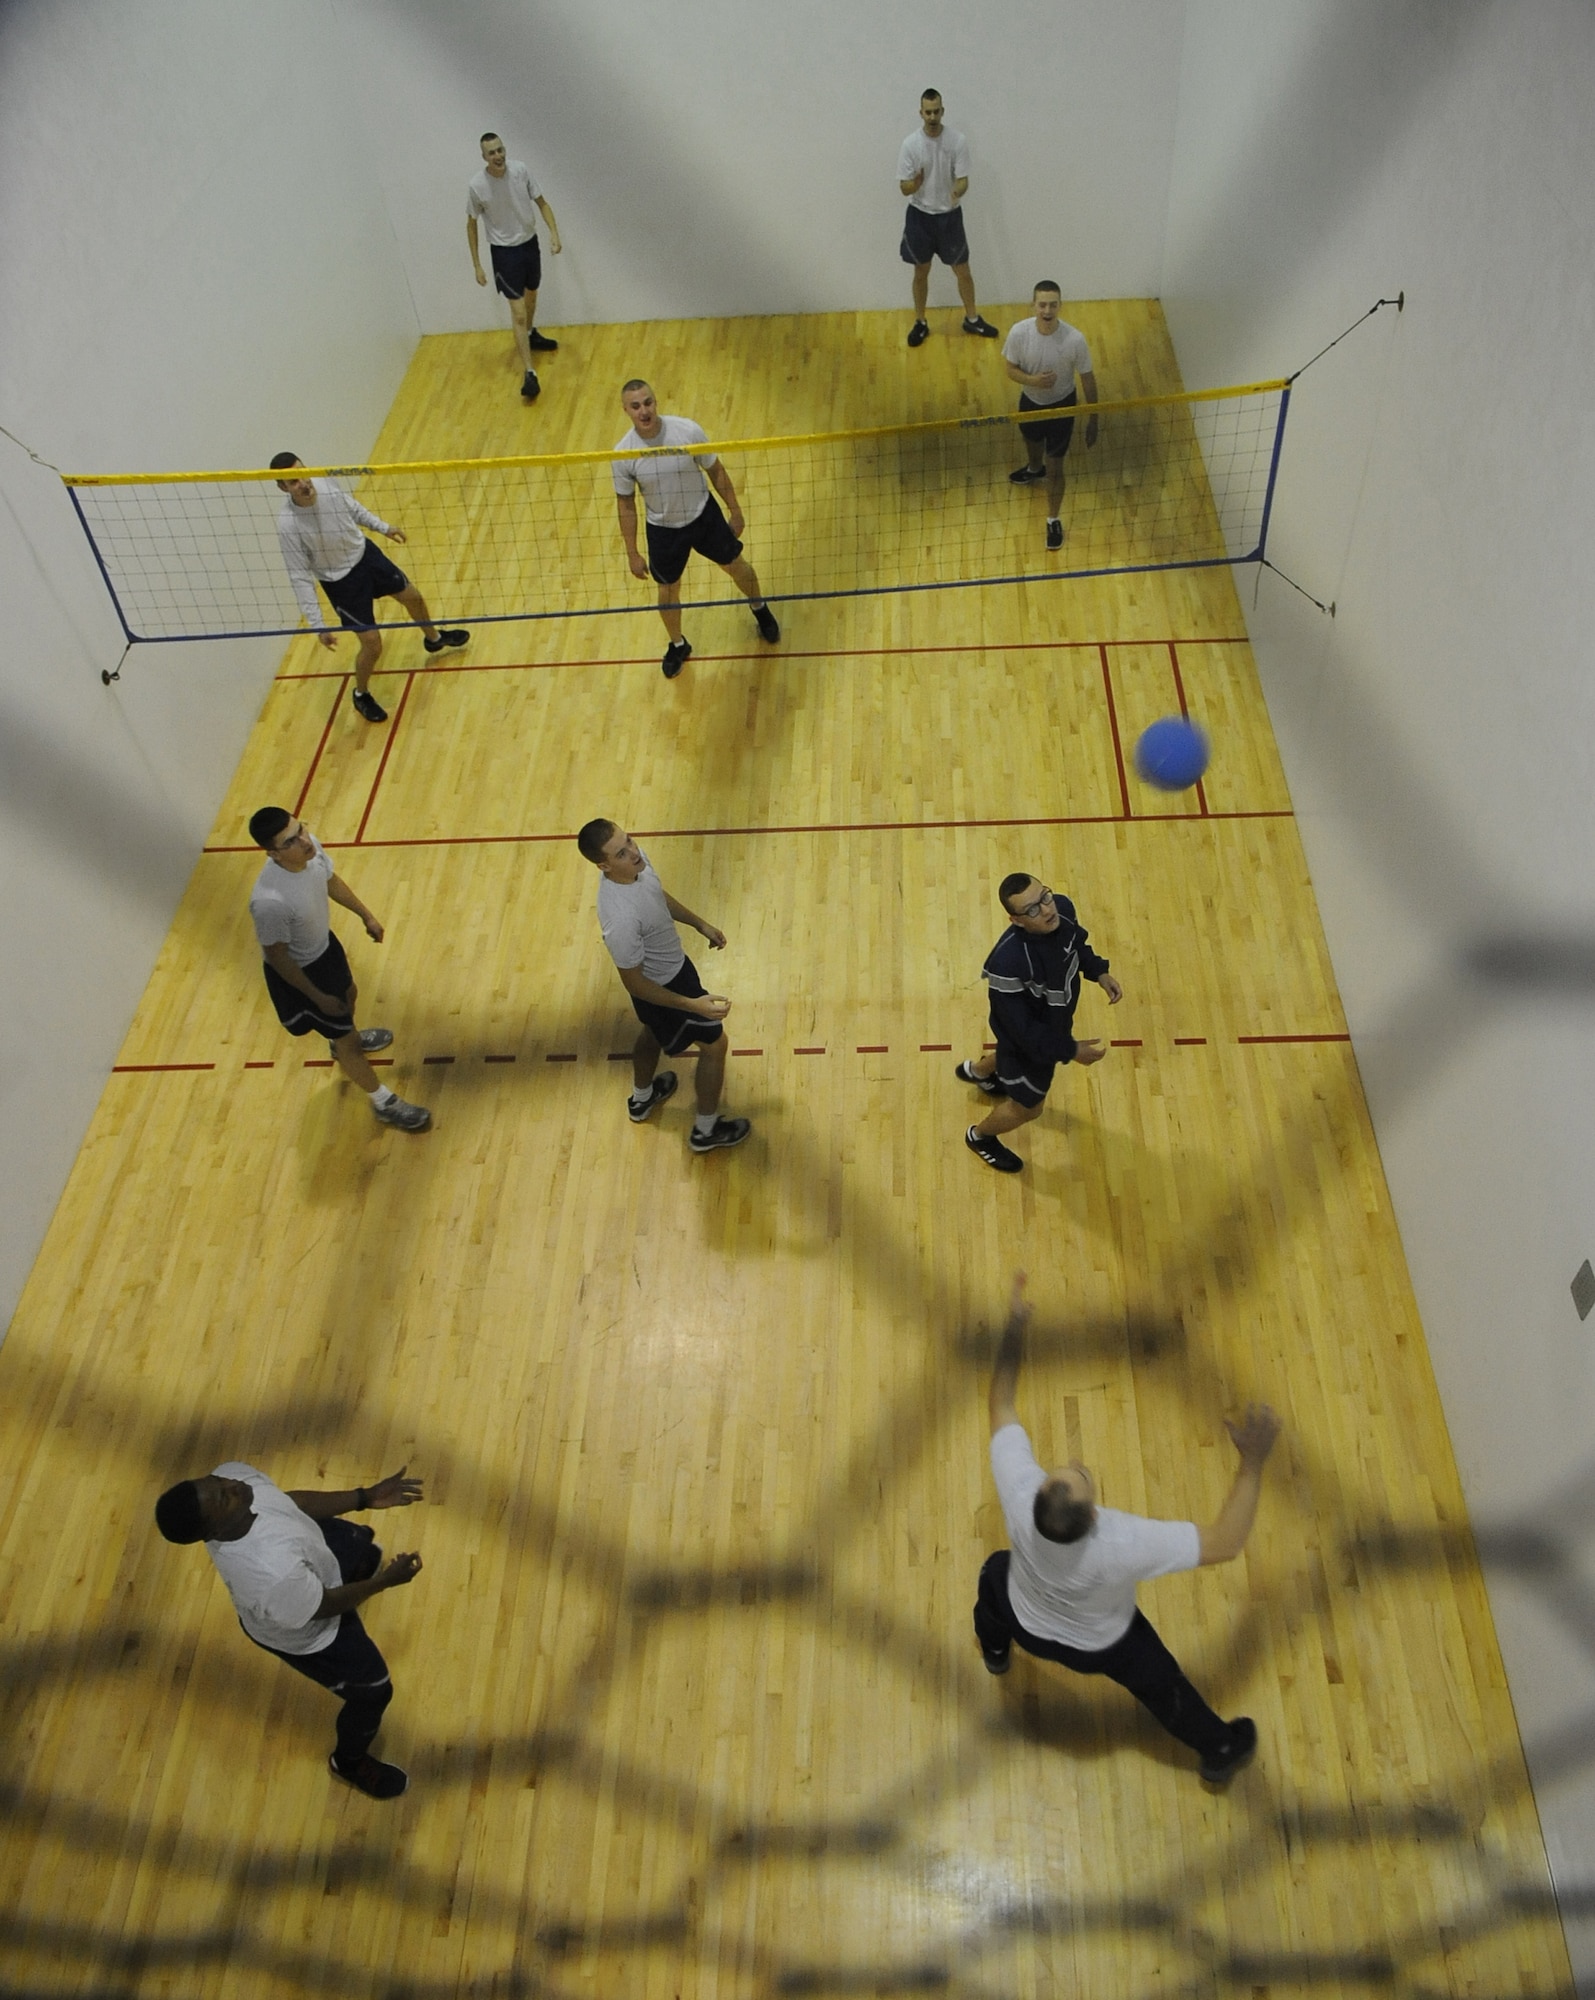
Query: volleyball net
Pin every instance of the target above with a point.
(1173, 482)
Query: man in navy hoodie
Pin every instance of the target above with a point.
(1033, 973)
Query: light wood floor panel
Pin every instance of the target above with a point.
(687, 1688)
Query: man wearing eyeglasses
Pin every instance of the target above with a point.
(1033, 979)
(307, 974)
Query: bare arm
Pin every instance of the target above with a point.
(1000, 1404)
(960, 187)
(720, 480)
(1042, 380)
(348, 1595)
(553, 226)
(626, 508)
(913, 186)
(393, 1491)
(345, 897)
(476, 255)
(711, 1006)
(683, 915)
(1088, 389)
(1253, 1437)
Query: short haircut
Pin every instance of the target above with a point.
(266, 826)
(486, 136)
(636, 382)
(928, 93)
(1059, 1516)
(284, 458)
(1047, 285)
(595, 836)
(178, 1514)
(1010, 885)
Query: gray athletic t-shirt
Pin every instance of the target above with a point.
(638, 927)
(291, 909)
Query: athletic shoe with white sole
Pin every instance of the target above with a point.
(373, 1039)
(402, 1115)
(450, 638)
(1027, 475)
(988, 1085)
(992, 1151)
(727, 1132)
(1054, 534)
(367, 706)
(677, 654)
(663, 1086)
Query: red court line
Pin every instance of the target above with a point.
(564, 1058)
(1253, 1039)
(935, 1048)
(835, 826)
(261, 1065)
(315, 762)
(1190, 1041)
(148, 1068)
(387, 752)
(808, 1052)
(1126, 1045)
(873, 1049)
(1113, 724)
(1179, 689)
(828, 653)
(324, 1064)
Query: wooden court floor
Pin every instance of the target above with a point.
(687, 1688)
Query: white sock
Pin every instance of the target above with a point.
(641, 1092)
(1053, 521)
(704, 1123)
(380, 1096)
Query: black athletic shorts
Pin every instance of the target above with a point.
(1025, 1080)
(710, 534)
(354, 597)
(517, 267)
(1053, 436)
(295, 1010)
(670, 1028)
(927, 236)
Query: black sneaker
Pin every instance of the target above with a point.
(1243, 1748)
(531, 388)
(663, 1086)
(981, 326)
(918, 333)
(993, 1152)
(451, 637)
(540, 343)
(1027, 475)
(726, 1132)
(366, 704)
(677, 654)
(764, 618)
(997, 1663)
(1054, 534)
(376, 1779)
(967, 1073)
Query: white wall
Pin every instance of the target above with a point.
(1439, 733)
(195, 274)
(712, 157)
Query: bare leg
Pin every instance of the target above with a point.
(530, 299)
(645, 1056)
(1054, 489)
(520, 326)
(984, 1065)
(711, 1075)
(364, 660)
(1007, 1117)
(670, 608)
(921, 289)
(966, 289)
(350, 1058)
(1033, 455)
(416, 605)
(746, 578)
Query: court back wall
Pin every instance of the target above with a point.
(1439, 732)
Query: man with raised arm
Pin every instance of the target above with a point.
(1043, 355)
(638, 919)
(1032, 974)
(296, 1572)
(933, 171)
(682, 515)
(505, 196)
(1065, 1590)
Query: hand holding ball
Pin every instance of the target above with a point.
(1171, 754)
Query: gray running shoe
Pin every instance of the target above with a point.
(727, 1132)
(405, 1116)
(374, 1039)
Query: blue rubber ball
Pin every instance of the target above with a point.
(1172, 754)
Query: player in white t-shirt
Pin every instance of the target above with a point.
(296, 1571)
(1044, 355)
(638, 917)
(307, 972)
(681, 515)
(506, 197)
(933, 171)
(1065, 1590)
